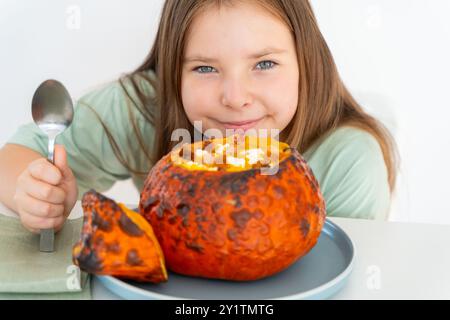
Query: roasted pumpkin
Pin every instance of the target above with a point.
(216, 215)
(117, 241)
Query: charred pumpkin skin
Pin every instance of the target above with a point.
(233, 225)
(117, 241)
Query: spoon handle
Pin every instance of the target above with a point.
(47, 236)
(47, 240)
(51, 150)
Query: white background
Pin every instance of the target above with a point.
(393, 55)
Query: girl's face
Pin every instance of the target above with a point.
(240, 70)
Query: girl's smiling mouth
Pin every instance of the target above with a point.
(244, 125)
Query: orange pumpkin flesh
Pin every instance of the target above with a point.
(117, 241)
(229, 221)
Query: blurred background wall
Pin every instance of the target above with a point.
(393, 56)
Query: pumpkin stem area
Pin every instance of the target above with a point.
(232, 153)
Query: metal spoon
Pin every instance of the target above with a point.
(52, 111)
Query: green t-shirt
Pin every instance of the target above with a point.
(348, 163)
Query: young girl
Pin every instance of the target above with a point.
(229, 64)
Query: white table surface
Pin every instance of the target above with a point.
(394, 260)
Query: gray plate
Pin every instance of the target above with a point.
(318, 275)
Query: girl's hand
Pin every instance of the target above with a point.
(46, 193)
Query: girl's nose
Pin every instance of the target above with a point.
(236, 93)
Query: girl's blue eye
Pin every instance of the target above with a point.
(267, 64)
(203, 69)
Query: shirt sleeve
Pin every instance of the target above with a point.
(90, 154)
(352, 175)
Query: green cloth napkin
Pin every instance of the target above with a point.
(27, 273)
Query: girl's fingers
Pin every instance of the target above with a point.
(32, 230)
(61, 162)
(40, 208)
(34, 223)
(42, 191)
(43, 170)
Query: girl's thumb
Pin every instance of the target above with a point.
(61, 161)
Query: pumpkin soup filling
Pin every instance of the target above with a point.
(233, 153)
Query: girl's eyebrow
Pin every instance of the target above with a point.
(260, 54)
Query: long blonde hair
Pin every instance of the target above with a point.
(324, 103)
